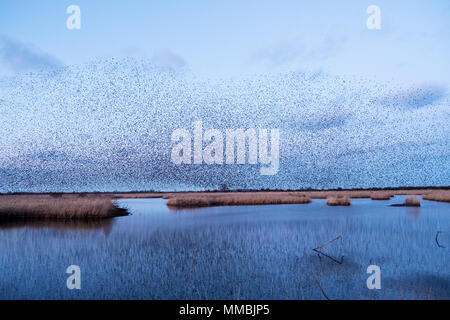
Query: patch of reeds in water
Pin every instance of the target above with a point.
(410, 201)
(338, 200)
(237, 199)
(60, 208)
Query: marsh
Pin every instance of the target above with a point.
(239, 252)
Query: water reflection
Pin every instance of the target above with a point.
(413, 212)
(104, 225)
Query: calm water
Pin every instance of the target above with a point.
(254, 252)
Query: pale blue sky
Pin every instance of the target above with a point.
(221, 38)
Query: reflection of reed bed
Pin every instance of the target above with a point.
(30, 223)
(236, 199)
(60, 208)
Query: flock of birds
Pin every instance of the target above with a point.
(106, 125)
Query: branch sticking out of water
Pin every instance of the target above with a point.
(319, 251)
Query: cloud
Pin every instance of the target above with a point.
(133, 51)
(300, 50)
(279, 54)
(20, 57)
(168, 59)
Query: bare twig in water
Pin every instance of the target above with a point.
(321, 290)
(437, 240)
(319, 252)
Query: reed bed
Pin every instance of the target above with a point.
(205, 199)
(100, 205)
(60, 208)
(358, 194)
(412, 201)
(428, 194)
(338, 200)
(236, 199)
(438, 195)
(380, 196)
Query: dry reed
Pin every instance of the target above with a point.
(64, 208)
(412, 201)
(237, 199)
(358, 194)
(438, 195)
(338, 200)
(380, 196)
